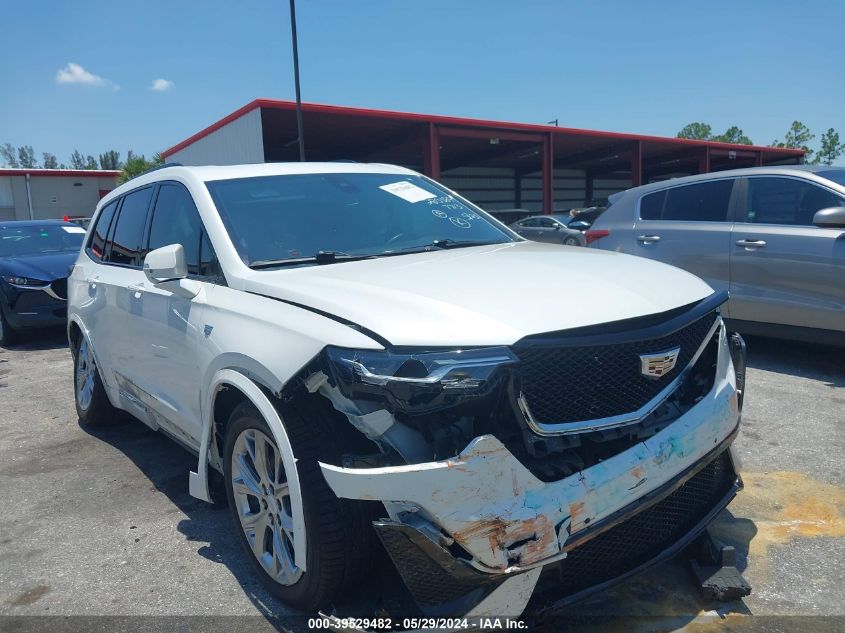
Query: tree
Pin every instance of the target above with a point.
(50, 161)
(798, 137)
(137, 165)
(110, 160)
(26, 157)
(90, 162)
(733, 135)
(77, 160)
(697, 130)
(8, 155)
(831, 148)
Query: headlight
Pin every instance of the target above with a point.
(419, 381)
(26, 282)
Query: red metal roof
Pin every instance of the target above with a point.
(273, 104)
(76, 173)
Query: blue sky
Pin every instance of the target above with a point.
(647, 67)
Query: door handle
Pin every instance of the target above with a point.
(648, 239)
(751, 243)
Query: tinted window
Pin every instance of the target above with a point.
(702, 202)
(786, 201)
(836, 175)
(209, 266)
(176, 221)
(651, 206)
(98, 239)
(547, 223)
(273, 218)
(128, 240)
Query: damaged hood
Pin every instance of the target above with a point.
(483, 295)
(42, 266)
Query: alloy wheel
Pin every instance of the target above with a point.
(86, 372)
(262, 499)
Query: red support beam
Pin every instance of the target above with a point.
(431, 152)
(704, 161)
(548, 173)
(636, 163)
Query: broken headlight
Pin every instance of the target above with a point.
(418, 382)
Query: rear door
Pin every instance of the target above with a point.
(688, 226)
(168, 325)
(121, 280)
(784, 270)
(548, 230)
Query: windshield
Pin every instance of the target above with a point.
(295, 217)
(34, 240)
(836, 175)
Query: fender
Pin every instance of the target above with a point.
(198, 481)
(110, 390)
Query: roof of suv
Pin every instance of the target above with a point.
(782, 170)
(225, 172)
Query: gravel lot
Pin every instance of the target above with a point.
(99, 522)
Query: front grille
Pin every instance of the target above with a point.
(643, 537)
(59, 286)
(573, 384)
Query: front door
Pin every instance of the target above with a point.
(784, 270)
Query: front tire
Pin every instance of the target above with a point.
(259, 500)
(571, 241)
(92, 404)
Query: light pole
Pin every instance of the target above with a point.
(300, 136)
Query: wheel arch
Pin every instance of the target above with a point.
(239, 388)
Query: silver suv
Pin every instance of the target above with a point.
(774, 237)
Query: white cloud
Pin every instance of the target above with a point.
(161, 85)
(75, 74)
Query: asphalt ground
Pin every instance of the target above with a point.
(97, 530)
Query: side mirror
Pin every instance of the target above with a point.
(166, 264)
(557, 227)
(830, 218)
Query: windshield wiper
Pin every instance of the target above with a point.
(320, 257)
(444, 243)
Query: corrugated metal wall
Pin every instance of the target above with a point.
(237, 142)
(53, 197)
(494, 187)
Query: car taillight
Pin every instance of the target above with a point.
(591, 235)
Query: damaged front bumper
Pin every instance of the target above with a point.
(472, 534)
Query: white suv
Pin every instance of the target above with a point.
(362, 352)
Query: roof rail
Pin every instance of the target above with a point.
(162, 166)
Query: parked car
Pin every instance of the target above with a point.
(362, 353)
(549, 228)
(582, 218)
(35, 261)
(509, 216)
(774, 237)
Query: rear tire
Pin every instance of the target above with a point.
(338, 532)
(92, 404)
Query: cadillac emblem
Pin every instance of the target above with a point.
(659, 364)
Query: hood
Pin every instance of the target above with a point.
(484, 295)
(46, 266)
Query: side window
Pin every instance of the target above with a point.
(651, 205)
(177, 221)
(547, 223)
(529, 223)
(701, 202)
(128, 240)
(786, 201)
(97, 245)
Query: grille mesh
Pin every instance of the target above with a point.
(573, 384)
(644, 536)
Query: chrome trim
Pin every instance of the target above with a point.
(612, 422)
(49, 290)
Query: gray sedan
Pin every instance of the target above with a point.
(549, 228)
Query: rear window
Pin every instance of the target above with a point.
(97, 247)
(699, 202)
